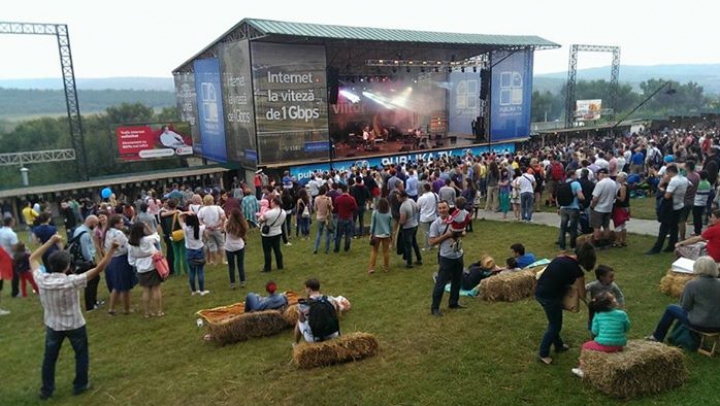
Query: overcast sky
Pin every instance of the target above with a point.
(152, 37)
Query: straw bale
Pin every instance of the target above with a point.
(350, 347)
(673, 283)
(244, 326)
(224, 313)
(643, 368)
(509, 287)
(291, 314)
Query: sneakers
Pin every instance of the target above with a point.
(4, 312)
(204, 292)
(578, 372)
(194, 292)
(287, 244)
(651, 338)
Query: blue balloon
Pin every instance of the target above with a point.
(105, 193)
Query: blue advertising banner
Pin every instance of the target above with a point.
(463, 101)
(511, 95)
(211, 118)
(305, 171)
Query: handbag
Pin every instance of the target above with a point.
(161, 265)
(176, 235)
(306, 211)
(266, 228)
(571, 300)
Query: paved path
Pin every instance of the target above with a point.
(551, 218)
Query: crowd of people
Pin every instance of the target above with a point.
(589, 182)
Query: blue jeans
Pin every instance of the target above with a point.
(554, 313)
(359, 220)
(526, 205)
(568, 218)
(252, 302)
(196, 270)
(451, 270)
(236, 258)
(409, 236)
(343, 227)
(672, 312)
(53, 343)
(322, 228)
(304, 224)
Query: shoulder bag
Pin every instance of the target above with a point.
(176, 235)
(266, 228)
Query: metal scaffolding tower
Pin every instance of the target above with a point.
(572, 77)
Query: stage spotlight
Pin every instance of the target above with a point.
(361, 79)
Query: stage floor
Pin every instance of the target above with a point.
(345, 150)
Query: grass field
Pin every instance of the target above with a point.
(484, 355)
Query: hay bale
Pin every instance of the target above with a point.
(673, 283)
(291, 314)
(350, 347)
(509, 287)
(643, 368)
(244, 326)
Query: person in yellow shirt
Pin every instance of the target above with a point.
(30, 215)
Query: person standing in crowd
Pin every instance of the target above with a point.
(527, 187)
(8, 245)
(671, 204)
(569, 209)
(693, 180)
(361, 194)
(236, 229)
(70, 219)
(144, 216)
(30, 214)
(288, 204)
(213, 218)
(62, 316)
(346, 206)
(141, 247)
(621, 211)
(503, 192)
(427, 204)
(302, 208)
(194, 248)
(563, 271)
(120, 276)
(85, 236)
(450, 261)
(409, 224)
(603, 198)
(43, 231)
(701, 198)
(271, 233)
(170, 216)
(323, 215)
(250, 206)
(381, 233)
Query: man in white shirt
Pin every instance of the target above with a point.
(603, 198)
(8, 241)
(527, 187)
(427, 203)
(213, 218)
(601, 162)
(63, 318)
(670, 209)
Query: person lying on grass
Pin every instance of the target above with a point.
(256, 303)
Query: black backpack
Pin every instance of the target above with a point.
(322, 318)
(78, 264)
(564, 194)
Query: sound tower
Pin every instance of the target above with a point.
(485, 78)
(333, 84)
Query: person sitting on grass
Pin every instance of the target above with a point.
(609, 327)
(477, 272)
(699, 307)
(256, 303)
(521, 258)
(318, 316)
(605, 282)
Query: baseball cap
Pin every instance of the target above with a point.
(603, 170)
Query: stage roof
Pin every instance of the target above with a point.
(442, 44)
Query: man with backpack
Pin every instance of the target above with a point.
(318, 316)
(569, 195)
(82, 257)
(555, 178)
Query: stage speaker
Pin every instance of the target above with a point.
(333, 84)
(485, 78)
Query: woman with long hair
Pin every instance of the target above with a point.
(504, 188)
(380, 234)
(271, 233)
(621, 211)
(323, 214)
(493, 177)
(236, 228)
(194, 248)
(170, 218)
(119, 275)
(302, 208)
(469, 193)
(142, 245)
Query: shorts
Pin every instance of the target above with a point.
(599, 220)
(215, 240)
(685, 213)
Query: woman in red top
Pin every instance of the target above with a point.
(707, 243)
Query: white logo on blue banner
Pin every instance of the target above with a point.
(210, 109)
(511, 95)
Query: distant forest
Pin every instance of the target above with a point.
(20, 103)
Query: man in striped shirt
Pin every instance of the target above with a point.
(59, 295)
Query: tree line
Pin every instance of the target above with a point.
(687, 99)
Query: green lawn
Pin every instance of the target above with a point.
(643, 208)
(484, 355)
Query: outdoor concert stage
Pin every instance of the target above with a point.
(281, 94)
